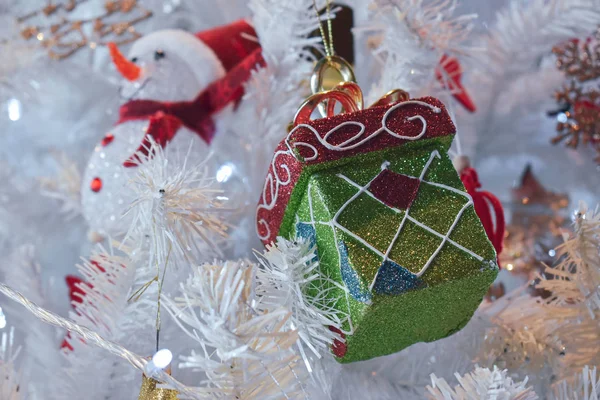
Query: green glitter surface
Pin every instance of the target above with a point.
(455, 281)
(393, 323)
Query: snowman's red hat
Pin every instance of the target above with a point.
(231, 43)
(210, 54)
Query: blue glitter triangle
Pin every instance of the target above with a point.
(307, 231)
(350, 277)
(393, 279)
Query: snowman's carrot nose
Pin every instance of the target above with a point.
(128, 69)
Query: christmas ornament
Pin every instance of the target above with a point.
(535, 228)
(406, 257)
(193, 81)
(578, 117)
(449, 74)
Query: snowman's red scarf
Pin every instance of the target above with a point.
(167, 117)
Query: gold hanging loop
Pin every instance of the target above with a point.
(330, 72)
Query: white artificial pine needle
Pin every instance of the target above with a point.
(275, 91)
(289, 270)
(508, 76)
(481, 384)
(575, 280)
(38, 342)
(525, 30)
(557, 334)
(409, 37)
(243, 350)
(584, 386)
(106, 280)
(529, 334)
(65, 186)
(88, 337)
(10, 375)
(175, 207)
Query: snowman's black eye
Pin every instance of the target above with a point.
(158, 54)
(134, 59)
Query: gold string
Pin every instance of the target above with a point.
(328, 44)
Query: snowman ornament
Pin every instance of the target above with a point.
(178, 89)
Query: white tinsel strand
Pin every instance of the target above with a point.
(410, 37)
(243, 352)
(290, 268)
(176, 207)
(576, 277)
(586, 386)
(479, 385)
(93, 338)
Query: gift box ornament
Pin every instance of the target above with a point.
(403, 255)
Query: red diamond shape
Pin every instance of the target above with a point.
(395, 190)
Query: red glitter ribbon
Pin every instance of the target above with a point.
(487, 206)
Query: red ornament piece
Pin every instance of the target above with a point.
(96, 184)
(75, 291)
(338, 347)
(451, 80)
(395, 190)
(107, 139)
(162, 129)
(488, 208)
